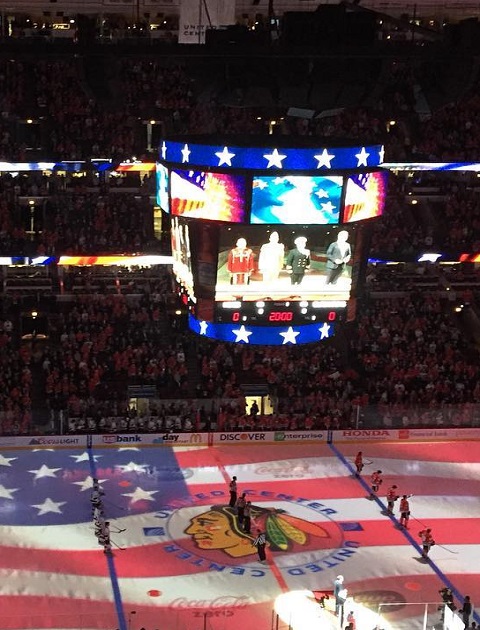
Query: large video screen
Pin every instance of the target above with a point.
(162, 187)
(213, 196)
(182, 254)
(285, 263)
(294, 199)
(365, 196)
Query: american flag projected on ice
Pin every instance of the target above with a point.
(182, 552)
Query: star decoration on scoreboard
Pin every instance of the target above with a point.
(225, 157)
(185, 154)
(324, 331)
(289, 336)
(275, 159)
(242, 334)
(324, 159)
(381, 154)
(362, 157)
(267, 158)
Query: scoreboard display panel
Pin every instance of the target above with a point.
(267, 247)
(285, 262)
(365, 195)
(293, 199)
(162, 177)
(182, 255)
(211, 196)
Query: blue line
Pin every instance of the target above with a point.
(404, 531)
(117, 597)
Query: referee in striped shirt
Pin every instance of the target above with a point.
(260, 543)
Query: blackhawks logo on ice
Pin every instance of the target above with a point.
(307, 534)
(219, 528)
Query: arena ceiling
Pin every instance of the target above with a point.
(441, 9)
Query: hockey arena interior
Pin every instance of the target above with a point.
(239, 315)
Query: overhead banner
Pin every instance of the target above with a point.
(196, 16)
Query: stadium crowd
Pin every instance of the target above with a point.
(406, 361)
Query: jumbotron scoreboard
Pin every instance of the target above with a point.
(269, 241)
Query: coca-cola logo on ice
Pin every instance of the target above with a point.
(226, 601)
(283, 470)
(374, 599)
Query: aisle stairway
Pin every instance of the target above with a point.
(97, 73)
(40, 411)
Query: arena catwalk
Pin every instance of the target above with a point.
(182, 560)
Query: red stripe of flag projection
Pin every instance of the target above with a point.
(183, 557)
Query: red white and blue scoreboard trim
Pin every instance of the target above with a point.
(263, 335)
(271, 158)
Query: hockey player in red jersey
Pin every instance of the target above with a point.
(392, 496)
(427, 541)
(359, 463)
(376, 481)
(404, 511)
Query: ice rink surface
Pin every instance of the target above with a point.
(184, 562)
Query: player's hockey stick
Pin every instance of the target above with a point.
(117, 546)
